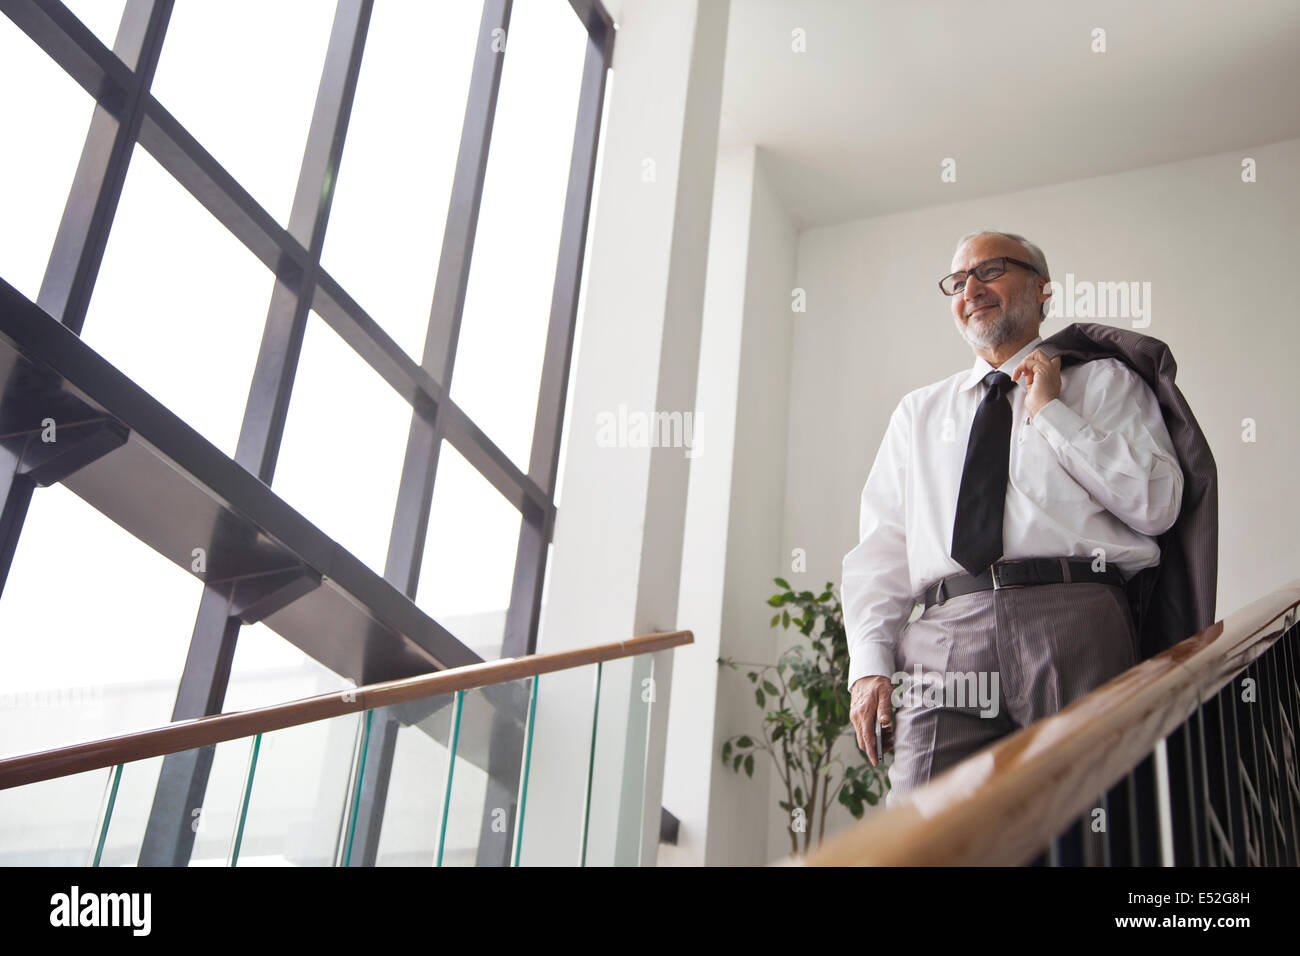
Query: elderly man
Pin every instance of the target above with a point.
(1014, 501)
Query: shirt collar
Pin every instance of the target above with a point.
(982, 368)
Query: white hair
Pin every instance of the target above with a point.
(1036, 257)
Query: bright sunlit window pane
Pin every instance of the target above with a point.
(344, 442)
(469, 555)
(581, 308)
(390, 205)
(412, 813)
(268, 670)
(100, 16)
(180, 304)
(35, 179)
(300, 792)
(241, 75)
(508, 300)
(94, 629)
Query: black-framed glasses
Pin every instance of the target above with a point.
(985, 271)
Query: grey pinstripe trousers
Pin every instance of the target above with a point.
(1038, 648)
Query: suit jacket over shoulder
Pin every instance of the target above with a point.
(1175, 599)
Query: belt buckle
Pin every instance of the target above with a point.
(997, 582)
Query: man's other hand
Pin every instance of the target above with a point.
(871, 703)
(1042, 379)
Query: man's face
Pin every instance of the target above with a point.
(1005, 309)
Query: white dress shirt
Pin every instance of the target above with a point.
(1095, 469)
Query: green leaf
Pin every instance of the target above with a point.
(783, 582)
(771, 688)
(871, 798)
(776, 600)
(752, 676)
(785, 618)
(758, 695)
(726, 751)
(798, 795)
(775, 618)
(749, 766)
(744, 742)
(736, 763)
(778, 733)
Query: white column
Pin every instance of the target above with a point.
(616, 563)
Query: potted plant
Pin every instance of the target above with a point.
(806, 710)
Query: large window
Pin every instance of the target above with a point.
(343, 245)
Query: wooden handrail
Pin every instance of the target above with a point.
(1002, 805)
(202, 731)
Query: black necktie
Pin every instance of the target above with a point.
(977, 532)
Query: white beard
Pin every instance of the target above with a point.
(1008, 327)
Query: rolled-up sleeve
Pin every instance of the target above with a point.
(1117, 447)
(877, 591)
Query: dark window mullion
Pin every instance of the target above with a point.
(466, 195)
(323, 153)
(96, 189)
(292, 295)
(598, 22)
(424, 440)
(543, 462)
(522, 620)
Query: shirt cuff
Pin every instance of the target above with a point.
(1058, 423)
(873, 660)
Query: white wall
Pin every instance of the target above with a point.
(1220, 255)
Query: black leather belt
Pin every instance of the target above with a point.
(1022, 573)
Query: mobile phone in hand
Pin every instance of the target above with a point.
(884, 740)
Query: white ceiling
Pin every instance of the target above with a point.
(859, 124)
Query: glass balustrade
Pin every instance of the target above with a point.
(546, 770)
